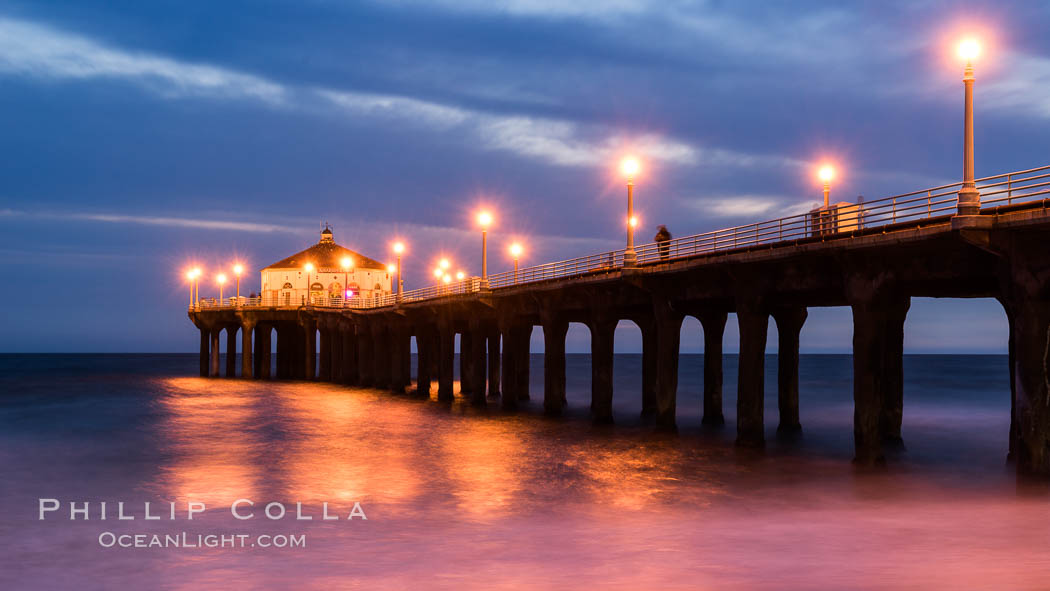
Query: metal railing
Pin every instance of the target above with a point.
(936, 202)
(315, 301)
(822, 223)
(595, 263)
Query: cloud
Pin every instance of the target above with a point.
(541, 8)
(754, 207)
(1022, 83)
(175, 222)
(29, 49)
(365, 231)
(555, 141)
(399, 107)
(145, 220)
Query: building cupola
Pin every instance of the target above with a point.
(326, 235)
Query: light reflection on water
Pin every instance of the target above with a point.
(462, 498)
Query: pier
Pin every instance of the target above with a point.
(873, 258)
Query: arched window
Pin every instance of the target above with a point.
(316, 287)
(287, 286)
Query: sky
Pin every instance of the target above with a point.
(137, 138)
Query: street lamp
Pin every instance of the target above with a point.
(194, 276)
(399, 248)
(346, 263)
(484, 220)
(238, 270)
(969, 197)
(460, 275)
(189, 279)
(629, 167)
(220, 279)
(825, 174)
(515, 251)
(308, 267)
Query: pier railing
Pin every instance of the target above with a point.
(928, 204)
(1005, 189)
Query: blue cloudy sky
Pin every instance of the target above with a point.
(139, 136)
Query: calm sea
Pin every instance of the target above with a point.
(462, 498)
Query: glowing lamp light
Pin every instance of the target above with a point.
(826, 173)
(238, 269)
(346, 263)
(399, 247)
(309, 267)
(461, 275)
(349, 293)
(629, 166)
(484, 219)
(190, 276)
(633, 221)
(438, 272)
(220, 278)
(391, 268)
(447, 278)
(969, 49)
(515, 250)
(444, 264)
(195, 272)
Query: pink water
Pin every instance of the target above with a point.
(458, 498)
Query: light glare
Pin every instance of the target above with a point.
(826, 173)
(629, 166)
(969, 49)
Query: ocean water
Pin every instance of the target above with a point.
(464, 498)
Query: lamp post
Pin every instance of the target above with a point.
(221, 280)
(308, 267)
(969, 197)
(196, 273)
(515, 251)
(826, 173)
(346, 263)
(399, 247)
(189, 280)
(629, 167)
(238, 270)
(484, 219)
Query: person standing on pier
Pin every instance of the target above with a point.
(663, 239)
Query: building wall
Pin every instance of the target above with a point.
(274, 283)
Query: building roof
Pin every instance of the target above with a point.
(326, 254)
